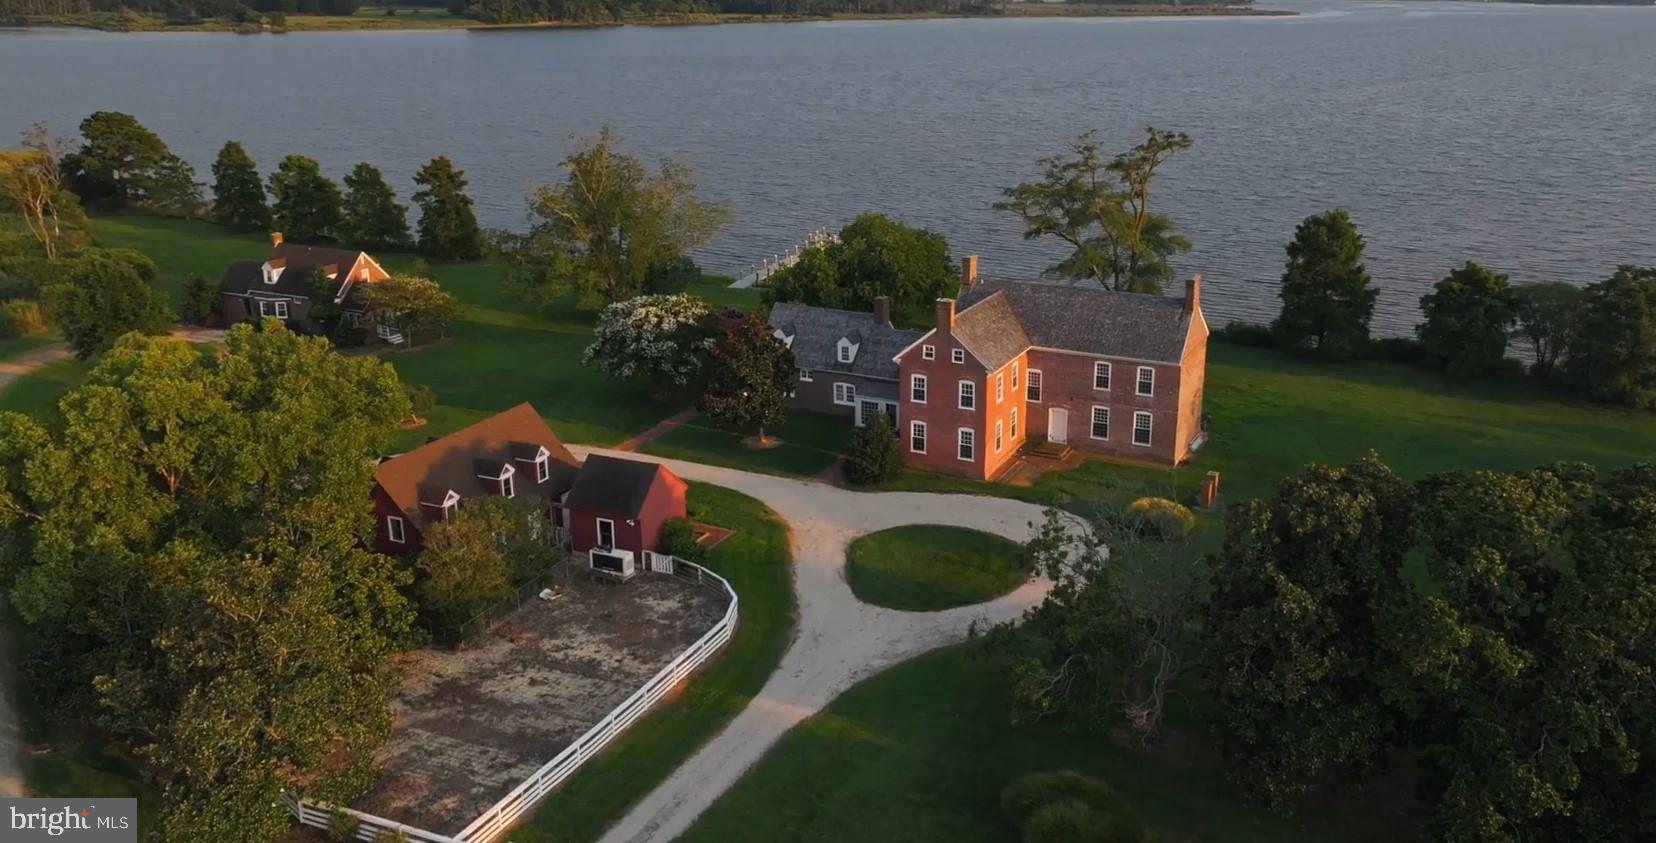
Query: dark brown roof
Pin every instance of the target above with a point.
(452, 462)
(299, 264)
(299, 255)
(1073, 317)
(612, 484)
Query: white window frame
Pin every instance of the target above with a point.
(966, 395)
(1140, 387)
(845, 394)
(1149, 428)
(805, 375)
(846, 352)
(917, 389)
(966, 440)
(598, 536)
(958, 355)
(928, 352)
(508, 489)
(1000, 388)
(543, 468)
(281, 310)
(1092, 423)
(1103, 371)
(917, 433)
(1014, 377)
(395, 530)
(1000, 435)
(1014, 417)
(1032, 381)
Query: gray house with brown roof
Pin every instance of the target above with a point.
(282, 285)
(846, 359)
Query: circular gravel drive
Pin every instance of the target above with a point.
(841, 639)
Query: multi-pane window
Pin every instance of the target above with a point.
(917, 437)
(1032, 390)
(805, 375)
(968, 395)
(506, 488)
(1000, 388)
(958, 355)
(1101, 375)
(1014, 376)
(1141, 428)
(917, 389)
(845, 393)
(965, 444)
(1101, 422)
(1014, 424)
(543, 469)
(928, 352)
(1146, 380)
(999, 430)
(394, 529)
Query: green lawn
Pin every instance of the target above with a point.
(14, 346)
(810, 443)
(37, 393)
(758, 564)
(921, 751)
(925, 568)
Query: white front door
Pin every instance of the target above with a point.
(1057, 425)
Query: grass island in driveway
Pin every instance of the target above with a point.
(927, 568)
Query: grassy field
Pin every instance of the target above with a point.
(37, 393)
(756, 561)
(810, 443)
(925, 568)
(921, 751)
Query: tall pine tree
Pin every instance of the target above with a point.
(308, 204)
(238, 193)
(373, 217)
(448, 228)
(1327, 299)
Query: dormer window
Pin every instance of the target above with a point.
(273, 271)
(448, 506)
(500, 473)
(787, 339)
(543, 467)
(847, 350)
(451, 508)
(506, 490)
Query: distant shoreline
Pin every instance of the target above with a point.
(422, 18)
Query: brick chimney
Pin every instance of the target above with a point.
(275, 239)
(968, 271)
(1193, 295)
(946, 315)
(882, 310)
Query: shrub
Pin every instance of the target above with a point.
(1249, 334)
(8, 325)
(26, 316)
(420, 401)
(199, 302)
(1405, 350)
(678, 537)
(875, 455)
(390, 835)
(1065, 805)
(342, 826)
(673, 275)
(1160, 519)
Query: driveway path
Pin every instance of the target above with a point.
(23, 364)
(841, 639)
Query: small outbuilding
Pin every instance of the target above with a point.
(620, 505)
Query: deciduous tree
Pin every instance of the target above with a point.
(1306, 602)
(1613, 353)
(1468, 315)
(448, 227)
(417, 307)
(1102, 210)
(1327, 299)
(104, 294)
(662, 340)
(307, 204)
(749, 377)
(874, 256)
(373, 217)
(1546, 313)
(32, 183)
(600, 231)
(477, 559)
(238, 193)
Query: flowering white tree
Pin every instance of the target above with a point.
(662, 339)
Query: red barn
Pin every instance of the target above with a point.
(619, 504)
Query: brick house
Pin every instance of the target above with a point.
(281, 285)
(513, 454)
(847, 359)
(1015, 364)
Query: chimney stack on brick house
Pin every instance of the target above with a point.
(968, 272)
(882, 310)
(275, 239)
(945, 315)
(1193, 294)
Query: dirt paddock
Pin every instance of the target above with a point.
(471, 725)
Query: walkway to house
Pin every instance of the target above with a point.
(31, 361)
(841, 640)
(661, 429)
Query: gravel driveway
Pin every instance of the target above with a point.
(841, 640)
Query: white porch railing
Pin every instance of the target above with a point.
(506, 813)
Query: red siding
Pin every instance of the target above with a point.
(664, 502)
(383, 509)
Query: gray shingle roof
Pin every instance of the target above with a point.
(612, 484)
(1072, 317)
(816, 333)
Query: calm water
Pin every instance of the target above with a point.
(1521, 136)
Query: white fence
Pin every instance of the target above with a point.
(504, 814)
(776, 263)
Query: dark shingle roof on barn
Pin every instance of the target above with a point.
(816, 333)
(1086, 319)
(612, 484)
